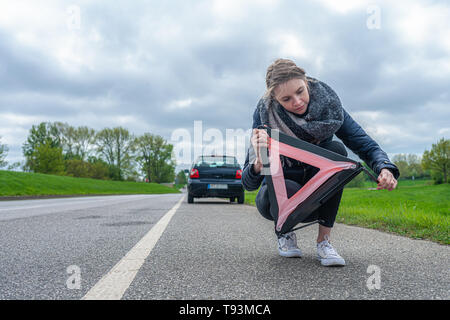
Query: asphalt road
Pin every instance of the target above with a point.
(208, 250)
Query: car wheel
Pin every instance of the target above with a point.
(232, 199)
(190, 198)
(241, 198)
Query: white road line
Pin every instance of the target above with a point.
(67, 202)
(114, 284)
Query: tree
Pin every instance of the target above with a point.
(47, 159)
(117, 147)
(437, 160)
(105, 145)
(3, 152)
(84, 140)
(409, 165)
(77, 143)
(155, 157)
(15, 166)
(66, 133)
(45, 133)
(400, 160)
(415, 166)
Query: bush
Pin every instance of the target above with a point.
(77, 168)
(99, 171)
(357, 182)
(83, 169)
(437, 177)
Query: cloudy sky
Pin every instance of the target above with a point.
(159, 66)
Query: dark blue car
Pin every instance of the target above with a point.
(215, 176)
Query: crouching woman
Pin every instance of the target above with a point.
(308, 109)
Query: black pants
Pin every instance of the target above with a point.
(295, 179)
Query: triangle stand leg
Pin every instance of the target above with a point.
(301, 227)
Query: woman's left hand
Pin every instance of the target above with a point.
(386, 180)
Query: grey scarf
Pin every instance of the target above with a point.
(322, 119)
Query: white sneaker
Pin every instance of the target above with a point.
(287, 245)
(327, 255)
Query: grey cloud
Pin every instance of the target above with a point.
(222, 72)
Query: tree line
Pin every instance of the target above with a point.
(434, 164)
(111, 153)
(115, 153)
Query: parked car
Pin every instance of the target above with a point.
(215, 176)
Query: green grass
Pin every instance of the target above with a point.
(403, 183)
(415, 209)
(32, 184)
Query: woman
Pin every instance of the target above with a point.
(308, 109)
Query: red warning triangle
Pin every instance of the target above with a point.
(334, 172)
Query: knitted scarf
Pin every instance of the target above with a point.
(324, 115)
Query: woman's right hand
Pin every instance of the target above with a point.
(259, 139)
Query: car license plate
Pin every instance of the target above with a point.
(217, 186)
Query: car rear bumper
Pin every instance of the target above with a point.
(205, 188)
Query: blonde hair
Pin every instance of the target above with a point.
(280, 71)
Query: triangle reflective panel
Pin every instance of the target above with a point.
(334, 172)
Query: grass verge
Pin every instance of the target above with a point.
(35, 184)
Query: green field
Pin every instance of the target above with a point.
(32, 184)
(415, 209)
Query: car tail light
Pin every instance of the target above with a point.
(194, 174)
(239, 174)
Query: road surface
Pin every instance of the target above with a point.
(161, 247)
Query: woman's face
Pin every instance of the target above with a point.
(293, 95)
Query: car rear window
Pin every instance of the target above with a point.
(217, 162)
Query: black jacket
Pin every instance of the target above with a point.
(351, 134)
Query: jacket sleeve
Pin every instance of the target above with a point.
(357, 140)
(251, 180)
